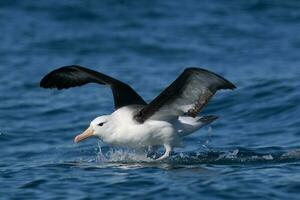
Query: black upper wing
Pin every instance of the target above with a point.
(187, 95)
(74, 75)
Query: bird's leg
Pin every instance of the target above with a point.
(167, 152)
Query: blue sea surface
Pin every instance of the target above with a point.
(251, 152)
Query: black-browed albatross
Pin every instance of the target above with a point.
(136, 124)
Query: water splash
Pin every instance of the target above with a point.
(121, 155)
(235, 156)
(100, 156)
(207, 140)
(229, 155)
(291, 155)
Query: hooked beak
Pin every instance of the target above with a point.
(86, 134)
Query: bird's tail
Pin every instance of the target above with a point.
(189, 125)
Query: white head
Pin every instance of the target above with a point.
(98, 128)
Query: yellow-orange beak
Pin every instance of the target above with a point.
(86, 134)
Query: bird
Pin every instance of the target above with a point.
(134, 123)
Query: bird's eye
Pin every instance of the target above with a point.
(101, 124)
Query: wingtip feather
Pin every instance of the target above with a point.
(225, 83)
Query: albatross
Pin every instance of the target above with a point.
(163, 122)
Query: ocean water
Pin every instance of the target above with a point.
(251, 152)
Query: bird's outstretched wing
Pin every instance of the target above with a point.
(74, 75)
(187, 95)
